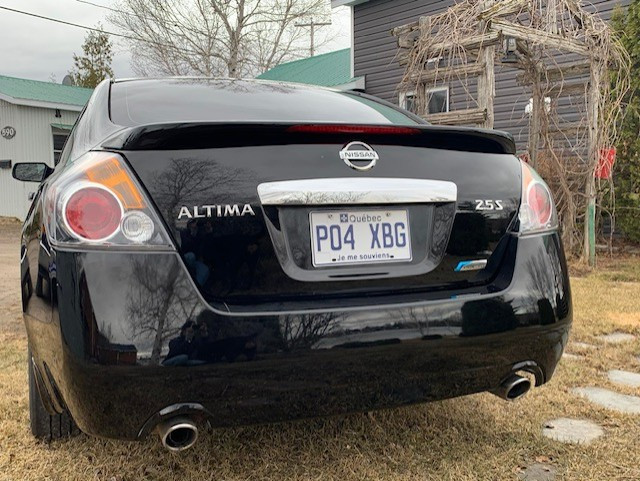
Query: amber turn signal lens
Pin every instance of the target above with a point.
(111, 174)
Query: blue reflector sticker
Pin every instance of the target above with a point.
(471, 265)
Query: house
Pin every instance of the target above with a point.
(331, 69)
(35, 120)
(375, 58)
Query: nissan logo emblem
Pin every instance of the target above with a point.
(361, 153)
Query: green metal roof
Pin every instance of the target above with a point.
(35, 90)
(327, 69)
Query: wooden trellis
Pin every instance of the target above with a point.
(563, 52)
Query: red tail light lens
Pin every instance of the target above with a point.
(540, 202)
(352, 129)
(93, 213)
(537, 212)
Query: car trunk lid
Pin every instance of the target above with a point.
(247, 203)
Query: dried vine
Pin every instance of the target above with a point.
(571, 64)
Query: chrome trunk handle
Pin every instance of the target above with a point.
(373, 191)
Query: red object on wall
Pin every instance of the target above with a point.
(605, 163)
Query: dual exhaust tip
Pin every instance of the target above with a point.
(178, 433)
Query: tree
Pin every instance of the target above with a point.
(161, 301)
(301, 331)
(627, 168)
(233, 38)
(94, 65)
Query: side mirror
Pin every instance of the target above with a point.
(31, 171)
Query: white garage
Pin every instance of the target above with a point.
(35, 120)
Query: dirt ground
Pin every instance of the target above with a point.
(10, 309)
(473, 438)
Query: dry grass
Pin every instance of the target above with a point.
(472, 438)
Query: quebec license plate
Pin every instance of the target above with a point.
(360, 236)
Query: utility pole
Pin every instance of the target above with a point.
(312, 26)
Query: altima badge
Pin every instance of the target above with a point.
(199, 212)
(359, 152)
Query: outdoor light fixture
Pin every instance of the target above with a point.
(510, 47)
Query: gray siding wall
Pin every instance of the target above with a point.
(33, 143)
(375, 58)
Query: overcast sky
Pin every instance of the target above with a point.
(37, 49)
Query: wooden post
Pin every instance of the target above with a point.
(487, 84)
(487, 79)
(552, 12)
(535, 121)
(593, 159)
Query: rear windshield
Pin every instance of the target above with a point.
(211, 100)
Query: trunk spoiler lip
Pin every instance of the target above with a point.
(163, 136)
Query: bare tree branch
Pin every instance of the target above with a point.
(233, 38)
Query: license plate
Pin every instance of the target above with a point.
(360, 237)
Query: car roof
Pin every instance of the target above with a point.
(218, 80)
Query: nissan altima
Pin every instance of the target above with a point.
(237, 251)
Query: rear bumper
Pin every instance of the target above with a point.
(105, 348)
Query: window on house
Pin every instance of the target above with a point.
(59, 138)
(408, 101)
(437, 100)
(58, 144)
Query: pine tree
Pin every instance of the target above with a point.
(95, 64)
(627, 168)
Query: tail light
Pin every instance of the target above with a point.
(352, 129)
(537, 210)
(98, 202)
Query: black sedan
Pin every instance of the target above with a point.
(233, 252)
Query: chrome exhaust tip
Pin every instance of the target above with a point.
(177, 434)
(513, 387)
